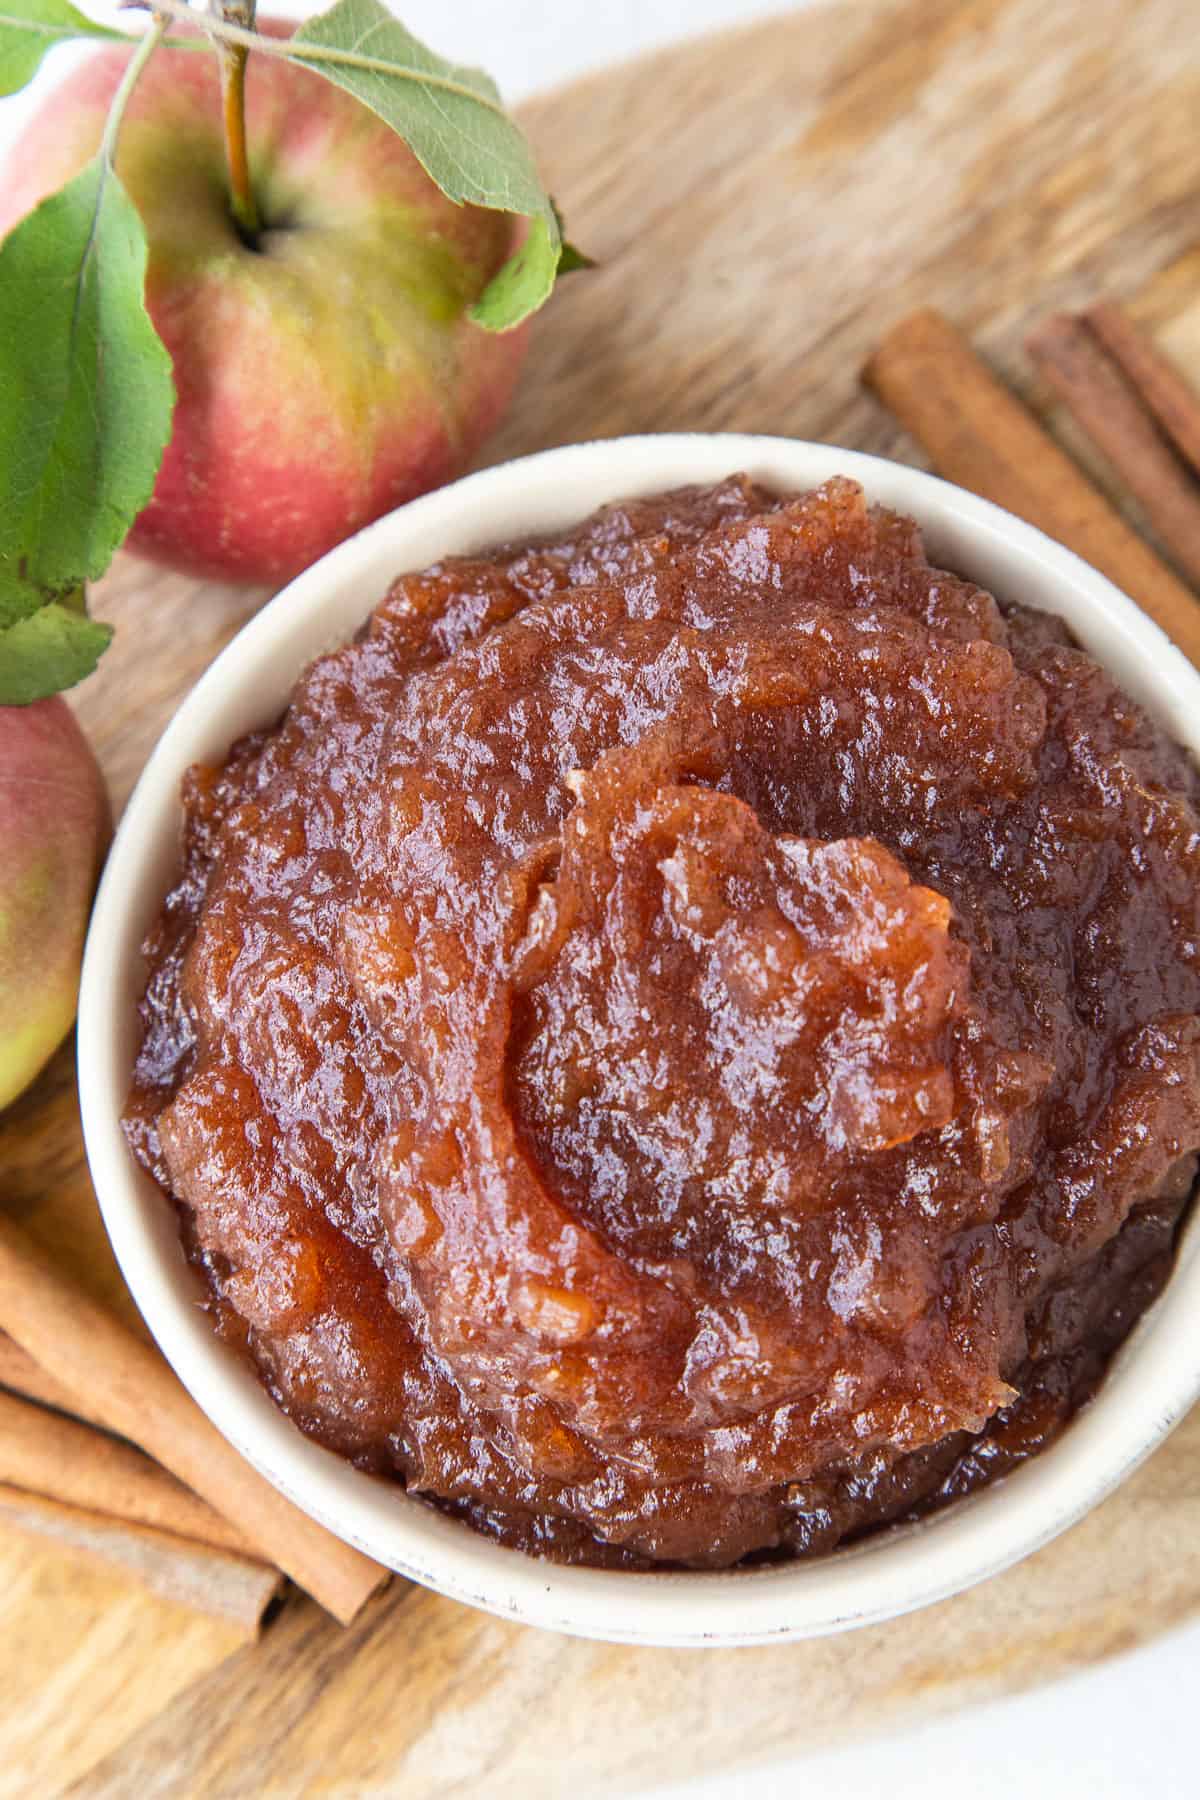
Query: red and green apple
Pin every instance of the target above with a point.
(326, 371)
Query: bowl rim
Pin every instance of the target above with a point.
(1151, 1383)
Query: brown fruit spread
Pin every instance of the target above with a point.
(683, 1043)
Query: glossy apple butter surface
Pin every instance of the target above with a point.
(683, 1043)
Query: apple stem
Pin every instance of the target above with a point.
(233, 59)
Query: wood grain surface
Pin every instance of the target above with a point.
(763, 207)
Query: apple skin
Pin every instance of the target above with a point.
(55, 825)
(324, 377)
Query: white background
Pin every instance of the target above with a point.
(1127, 1730)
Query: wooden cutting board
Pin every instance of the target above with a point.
(763, 206)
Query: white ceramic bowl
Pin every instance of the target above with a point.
(1153, 1380)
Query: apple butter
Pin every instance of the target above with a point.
(683, 1043)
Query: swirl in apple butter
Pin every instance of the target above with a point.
(683, 1043)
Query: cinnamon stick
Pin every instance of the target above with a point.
(64, 1460)
(219, 1582)
(1105, 403)
(980, 435)
(1174, 402)
(134, 1393)
(20, 1374)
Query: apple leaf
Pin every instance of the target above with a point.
(451, 118)
(53, 648)
(87, 394)
(32, 27)
(17, 601)
(521, 286)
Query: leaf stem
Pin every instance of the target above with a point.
(291, 51)
(233, 58)
(147, 44)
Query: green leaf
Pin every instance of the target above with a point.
(17, 600)
(521, 285)
(29, 28)
(86, 393)
(52, 649)
(451, 118)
